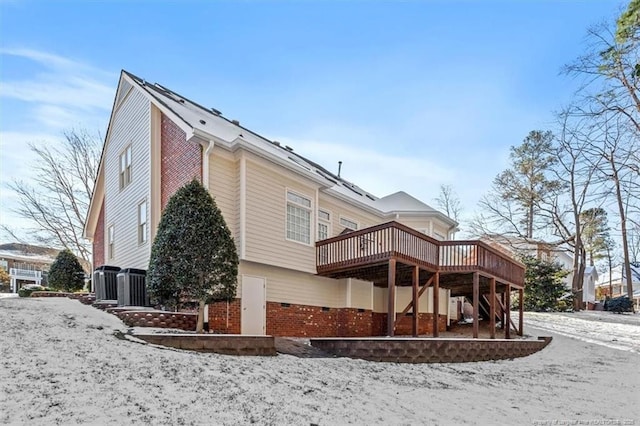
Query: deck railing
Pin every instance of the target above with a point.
(394, 240)
(460, 256)
(375, 244)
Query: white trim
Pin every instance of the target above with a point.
(155, 196)
(243, 207)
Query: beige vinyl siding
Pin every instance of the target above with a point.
(130, 125)
(295, 287)
(423, 224)
(361, 294)
(339, 208)
(223, 186)
(403, 298)
(266, 192)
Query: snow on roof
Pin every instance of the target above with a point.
(211, 121)
(401, 201)
(24, 257)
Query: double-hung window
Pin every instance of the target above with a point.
(142, 222)
(111, 240)
(298, 218)
(324, 224)
(125, 167)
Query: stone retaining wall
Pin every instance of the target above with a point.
(49, 294)
(425, 350)
(162, 319)
(227, 344)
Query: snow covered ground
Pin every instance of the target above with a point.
(60, 363)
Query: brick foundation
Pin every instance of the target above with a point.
(307, 321)
(314, 321)
(180, 161)
(224, 317)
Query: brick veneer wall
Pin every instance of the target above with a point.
(225, 317)
(98, 240)
(180, 161)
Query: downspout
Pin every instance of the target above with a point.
(205, 183)
(205, 163)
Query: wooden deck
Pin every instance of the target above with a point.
(392, 254)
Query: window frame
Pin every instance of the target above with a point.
(125, 160)
(295, 204)
(344, 218)
(143, 227)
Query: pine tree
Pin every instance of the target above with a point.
(193, 255)
(543, 284)
(66, 273)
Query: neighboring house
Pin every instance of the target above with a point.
(277, 204)
(26, 264)
(589, 286)
(539, 249)
(614, 283)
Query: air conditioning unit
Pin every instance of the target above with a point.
(105, 282)
(132, 287)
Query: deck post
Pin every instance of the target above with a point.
(507, 312)
(492, 308)
(436, 304)
(521, 309)
(476, 304)
(391, 306)
(414, 300)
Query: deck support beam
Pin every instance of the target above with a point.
(436, 303)
(507, 311)
(414, 299)
(521, 309)
(391, 305)
(476, 304)
(492, 308)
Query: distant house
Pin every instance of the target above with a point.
(539, 249)
(589, 286)
(317, 252)
(614, 283)
(26, 264)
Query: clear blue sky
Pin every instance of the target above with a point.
(408, 94)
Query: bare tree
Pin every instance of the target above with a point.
(610, 97)
(512, 207)
(574, 174)
(449, 202)
(57, 200)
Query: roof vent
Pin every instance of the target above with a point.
(203, 122)
(236, 122)
(288, 148)
(181, 101)
(215, 111)
(276, 143)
